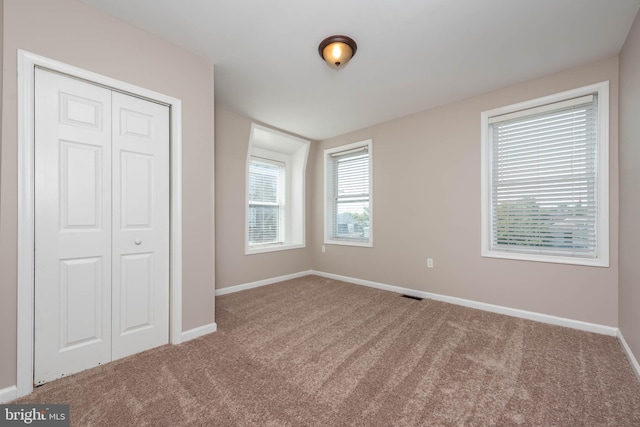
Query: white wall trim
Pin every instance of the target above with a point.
(26, 79)
(530, 315)
(198, 332)
(632, 359)
(245, 286)
(8, 394)
(175, 221)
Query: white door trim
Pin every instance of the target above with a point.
(27, 62)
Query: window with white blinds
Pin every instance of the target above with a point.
(348, 194)
(275, 191)
(545, 185)
(266, 201)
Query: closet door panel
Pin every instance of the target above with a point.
(72, 226)
(140, 155)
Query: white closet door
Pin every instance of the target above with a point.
(140, 136)
(101, 225)
(72, 226)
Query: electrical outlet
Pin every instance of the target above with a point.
(323, 249)
(429, 262)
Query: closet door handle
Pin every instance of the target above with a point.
(138, 242)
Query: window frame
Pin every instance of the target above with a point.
(602, 187)
(270, 145)
(329, 239)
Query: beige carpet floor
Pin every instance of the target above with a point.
(319, 352)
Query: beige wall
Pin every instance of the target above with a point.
(630, 189)
(74, 33)
(426, 180)
(233, 267)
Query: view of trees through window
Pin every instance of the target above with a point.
(353, 224)
(561, 226)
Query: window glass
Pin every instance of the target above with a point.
(546, 168)
(348, 188)
(266, 204)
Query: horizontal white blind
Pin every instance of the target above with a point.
(348, 192)
(544, 181)
(266, 181)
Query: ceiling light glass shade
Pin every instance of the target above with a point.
(337, 50)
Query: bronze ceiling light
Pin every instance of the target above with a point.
(337, 50)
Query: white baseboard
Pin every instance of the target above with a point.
(530, 315)
(630, 356)
(198, 332)
(8, 394)
(245, 286)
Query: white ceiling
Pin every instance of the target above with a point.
(412, 54)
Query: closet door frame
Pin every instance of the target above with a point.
(27, 63)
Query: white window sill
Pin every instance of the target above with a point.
(368, 244)
(272, 248)
(555, 259)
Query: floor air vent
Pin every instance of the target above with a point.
(412, 297)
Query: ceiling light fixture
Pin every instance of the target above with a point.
(337, 50)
